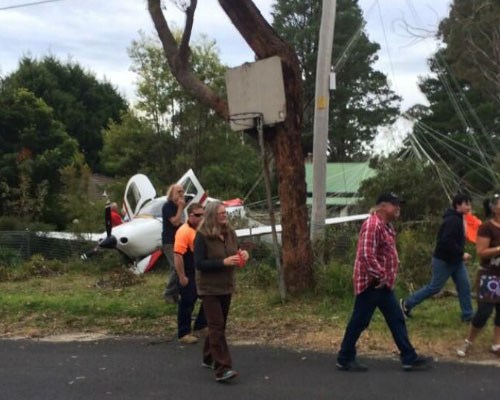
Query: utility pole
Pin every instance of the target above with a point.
(320, 142)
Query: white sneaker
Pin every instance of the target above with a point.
(462, 351)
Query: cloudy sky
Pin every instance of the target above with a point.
(96, 34)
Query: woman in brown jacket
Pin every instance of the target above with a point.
(217, 256)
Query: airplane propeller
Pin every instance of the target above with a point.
(110, 241)
(107, 220)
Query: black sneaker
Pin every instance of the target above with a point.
(353, 366)
(406, 310)
(421, 363)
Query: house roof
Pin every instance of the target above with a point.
(342, 181)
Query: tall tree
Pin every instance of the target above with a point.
(175, 132)
(33, 148)
(82, 103)
(283, 139)
(458, 128)
(472, 35)
(362, 100)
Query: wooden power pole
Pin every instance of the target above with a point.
(320, 142)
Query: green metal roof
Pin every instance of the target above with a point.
(342, 181)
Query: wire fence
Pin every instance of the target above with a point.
(19, 246)
(22, 245)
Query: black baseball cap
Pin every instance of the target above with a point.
(390, 197)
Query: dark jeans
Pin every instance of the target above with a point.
(185, 309)
(216, 350)
(364, 307)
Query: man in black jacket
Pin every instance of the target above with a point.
(448, 260)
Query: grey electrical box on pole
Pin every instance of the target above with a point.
(322, 100)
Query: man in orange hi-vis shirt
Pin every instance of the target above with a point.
(184, 265)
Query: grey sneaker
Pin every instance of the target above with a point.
(227, 375)
(210, 365)
(421, 363)
(462, 351)
(406, 310)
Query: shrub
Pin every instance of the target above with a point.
(416, 244)
(260, 275)
(38, 267)
(334, 279)
(9, 257)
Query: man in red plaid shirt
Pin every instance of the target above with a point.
(375, 271)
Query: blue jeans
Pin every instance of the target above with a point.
(364, 307)
(441, 272)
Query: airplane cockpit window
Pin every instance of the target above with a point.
(190, 189)
(133, 196)
(153, 208)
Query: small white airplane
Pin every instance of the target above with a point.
(139, 238)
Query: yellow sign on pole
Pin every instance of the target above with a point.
(321, 103)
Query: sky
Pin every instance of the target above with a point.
(97, 33)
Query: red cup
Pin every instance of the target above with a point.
(241, 260)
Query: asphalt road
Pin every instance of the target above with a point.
(142, 369)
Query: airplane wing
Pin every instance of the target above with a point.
(265, 230)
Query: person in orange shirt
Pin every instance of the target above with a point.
(184, 266)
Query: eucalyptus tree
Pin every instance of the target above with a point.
(460, 125)
(283, 139)
(171, 132)
(362, 100)
(472, 35)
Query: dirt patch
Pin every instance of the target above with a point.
(327, 339)
(308, 335)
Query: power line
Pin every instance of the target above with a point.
(28, 4)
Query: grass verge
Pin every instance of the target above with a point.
(113, 302)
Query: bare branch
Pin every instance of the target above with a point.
(181, 68)
(186, 36)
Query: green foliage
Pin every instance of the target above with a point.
(174, 132)
(9, 257)
(38, 267)
(11, 223)
(460, 126)
(261, 276)
(413, 181)
(33, 147)
(471, 32)
(457, 129)
(362, 101)
(334, 280)
(340, 243)
(81, 216)
(415, 248)
(79, 101)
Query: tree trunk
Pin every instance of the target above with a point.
(284, 139)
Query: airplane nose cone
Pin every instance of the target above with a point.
(108, 243)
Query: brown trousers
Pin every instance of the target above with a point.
(215, 350)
